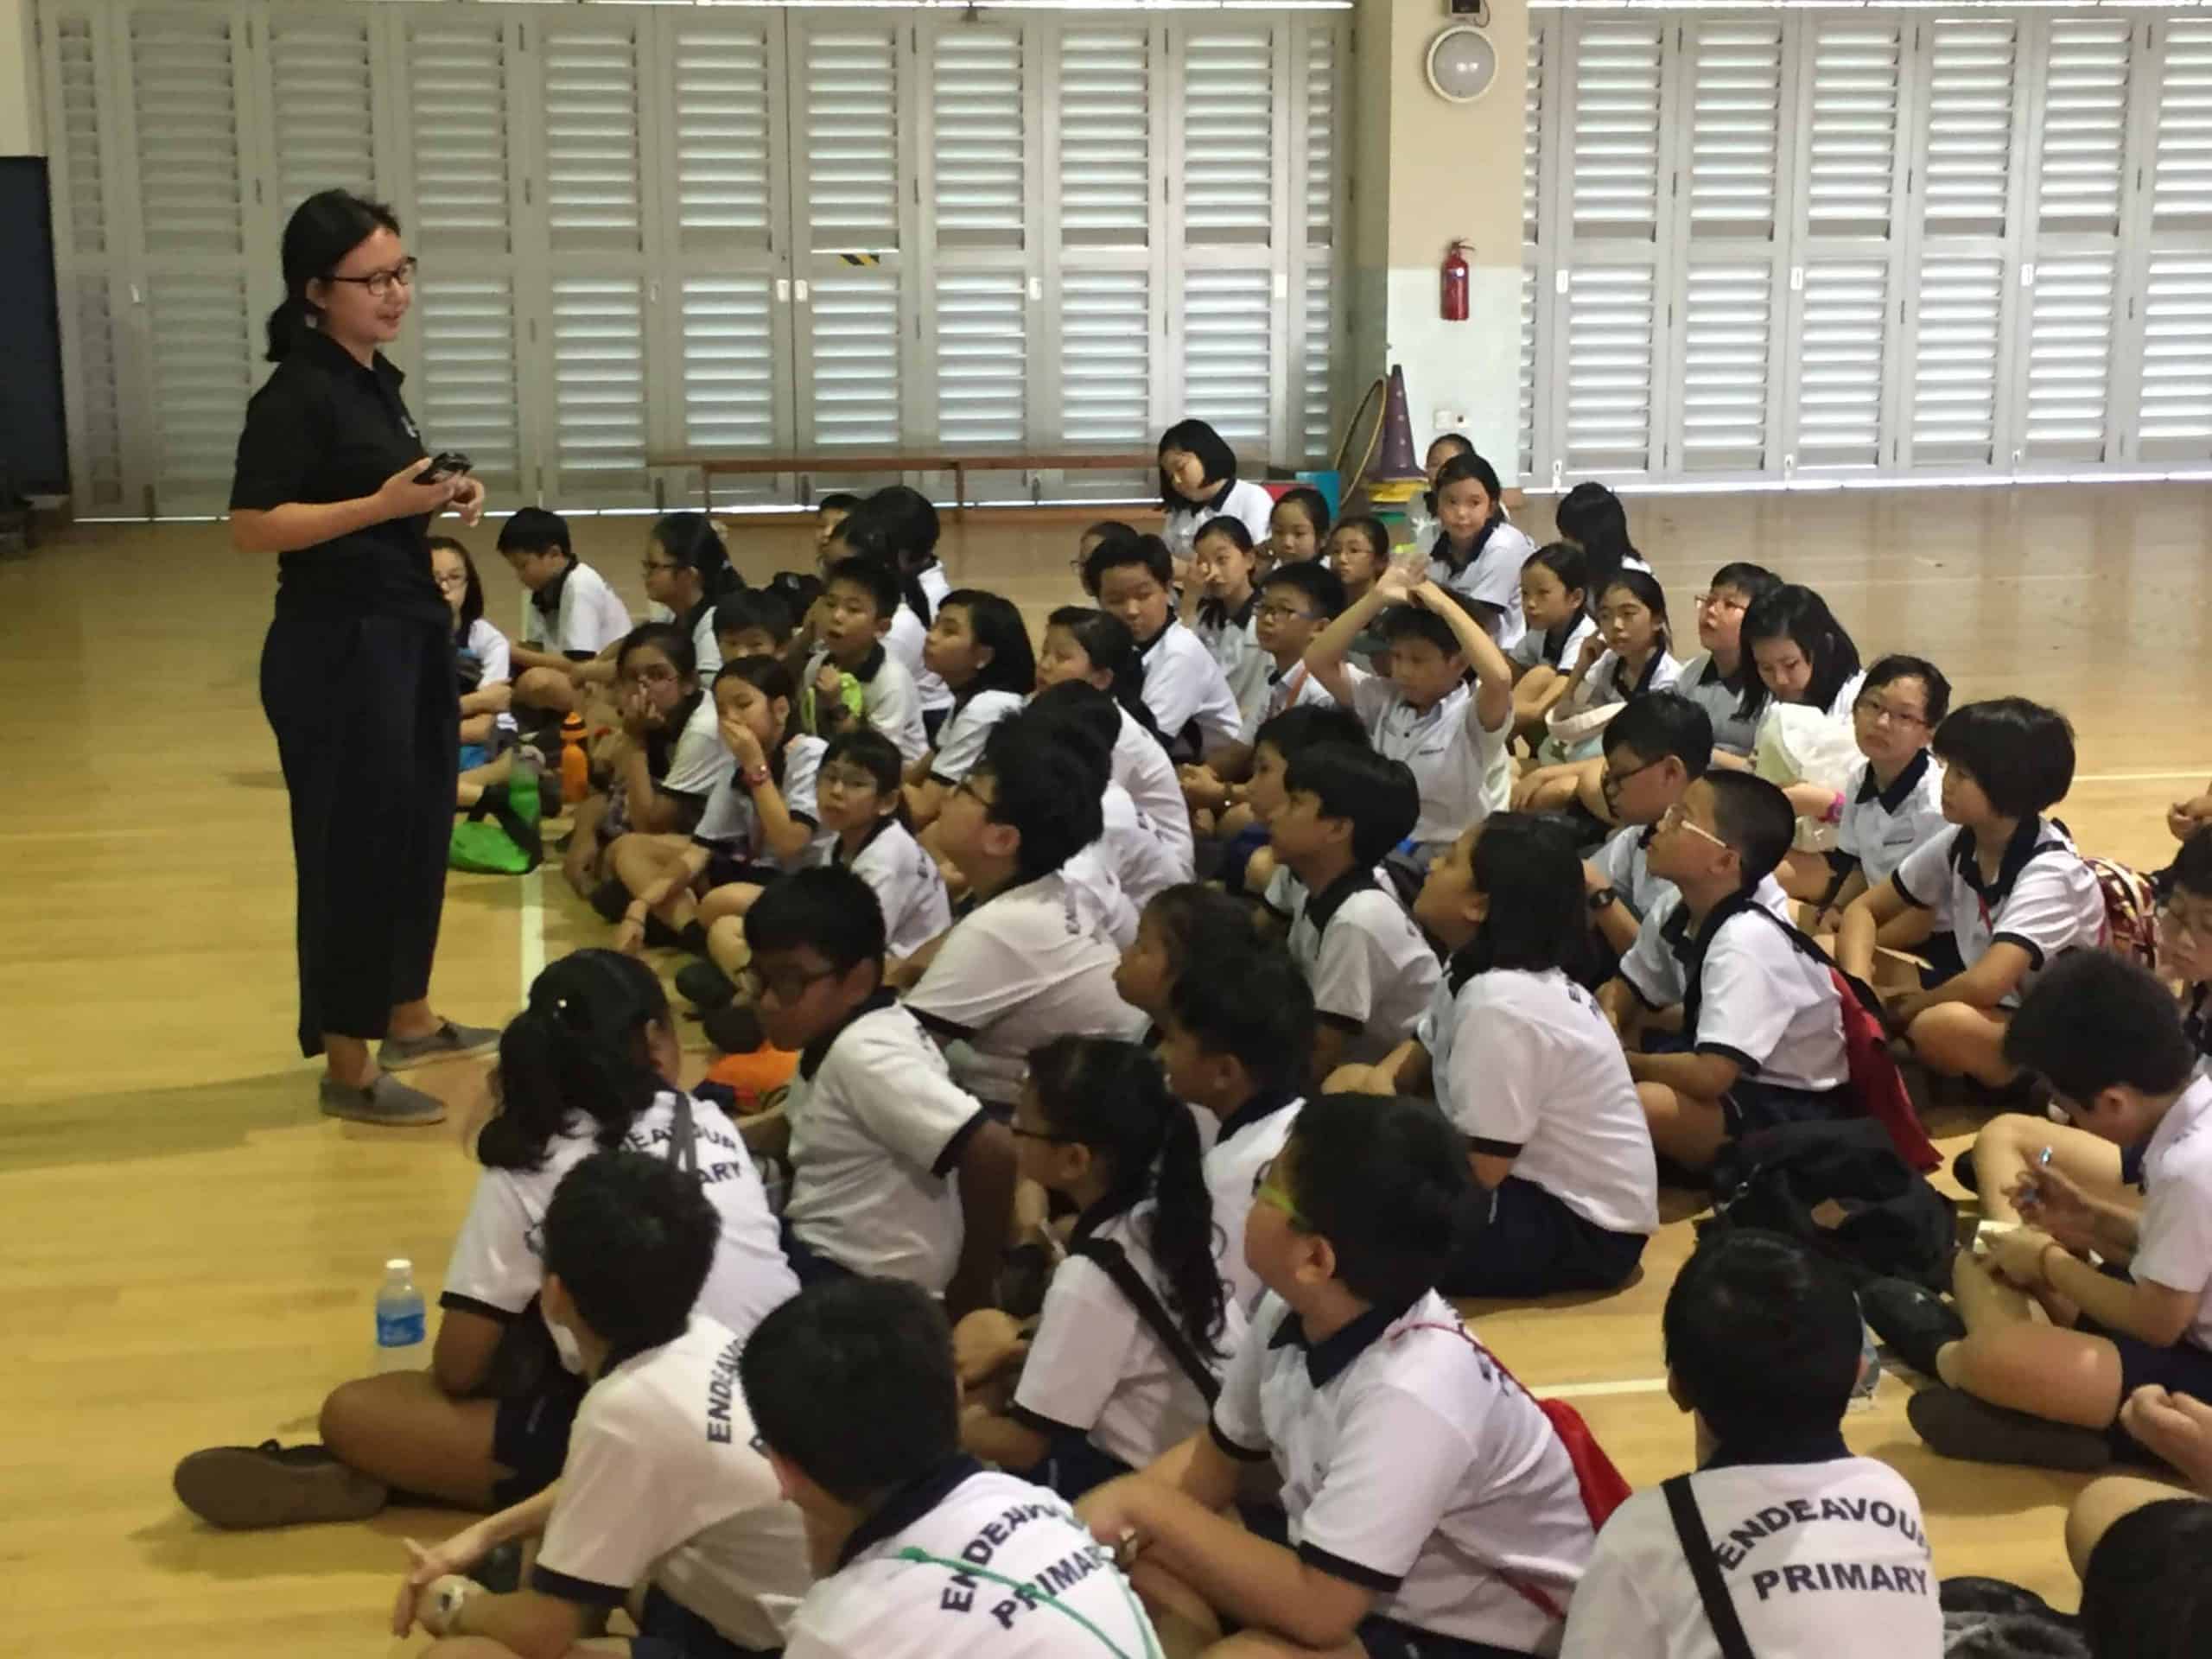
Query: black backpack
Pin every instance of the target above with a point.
(1839, 1187)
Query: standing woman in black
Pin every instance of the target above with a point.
(357, 674)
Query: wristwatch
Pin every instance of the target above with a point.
(1603, 900)
(755, 780)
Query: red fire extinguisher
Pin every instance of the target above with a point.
(1455, 283)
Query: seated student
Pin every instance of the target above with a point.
(1478, 552)
(897, 527)
(664, 1491)
(830, 513)
(1359, 552)
(688, 573)
(1198, 484)
(1115, 1373)
(1106, 529)
(1131, 845)
(1764, 1024)
(1456, 738)
(875, 1128)
(2143, 1587)
(1177, 924)
(1253, 803)
(2015, 892)
(1627, 656)
(482, 672)
(857, 603)
(1298, 528)
(2108, 1039)
(1555, 602)
(1191, 705)
(1432, 1508)
(573, 615)
(1217, 605)
(1802, 653)
(2177, 1428)
(2013, 1144)
(759, 822)
(1234, 1037)
(1086, 644)
(750, 623)
(1591, 518)
(858, 794)
(1657, 747)
(978, 646)
(665, 760)
(1528, 1071)
(854, 1391)
(1296, 602)
(1032, 958)
(1762, 1350)
(1722, 678)
(1371, 971)
(1895, 799)
(592, 1062)
(1424, 515)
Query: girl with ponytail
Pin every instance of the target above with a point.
(687, 571)
(1083, 644)
(588, 1065)
(1126, 1354)
(898, 528)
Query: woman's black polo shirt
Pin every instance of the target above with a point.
(323, 429)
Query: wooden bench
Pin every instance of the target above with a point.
(838, 462)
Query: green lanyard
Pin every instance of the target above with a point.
(1051, 1599)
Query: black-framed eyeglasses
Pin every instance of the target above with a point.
(787, 988)
(379, 283)
(1609, 779)
(1282, 613)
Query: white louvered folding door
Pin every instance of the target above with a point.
(2171, 335)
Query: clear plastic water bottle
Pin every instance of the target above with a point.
(1870, 1370)
(402, 1323)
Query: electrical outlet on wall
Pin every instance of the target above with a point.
(1446, 420)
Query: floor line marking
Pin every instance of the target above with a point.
(1593, 1390)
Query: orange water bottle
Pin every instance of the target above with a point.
(575, 764)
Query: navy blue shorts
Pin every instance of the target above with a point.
(808, 1264)
(1753, 1105)
(2184, 1368)
(1532, 1244)
(530, 1434)
(1386, 1638)
(669, 1629)
(1074, 1466)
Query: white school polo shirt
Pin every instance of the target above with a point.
(878, 1126)
(706, 649)
(1491, 577)
(960, 740)
(495, 662)
(1244, 501)
(1763, 1003)
(2196, 1020)
(731, 824)
(586, 616)
(1296, 686)
(1134, 847)
(1554, 647)
(1184, 686)
(1465, 771)
(1031, 963)
(2045, 900)
(1414, 1466)
(1654, 963)
(2174, 1242)
(1608, 680)
(1701, 683)
(904, 642)
(1371, 970)
(1095, 1365)
(662, 1486)
(1826, 1556)
(1880, 826)
(698, 762)
(499, 1264)
(1232, 638)
(1626, 862)
(888, 700)
(970, 1563)
(1141, 766)
(905, 880)
(1527, 1068)
(1247, 1142)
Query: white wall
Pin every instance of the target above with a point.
(23, 129)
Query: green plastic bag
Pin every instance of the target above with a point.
(501, 835)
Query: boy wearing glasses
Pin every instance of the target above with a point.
(1658, 745)
(1034, 957)
(896, 1172)
(1433, 1510)
(1763, 1023)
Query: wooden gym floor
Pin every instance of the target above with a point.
(192, 1251)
